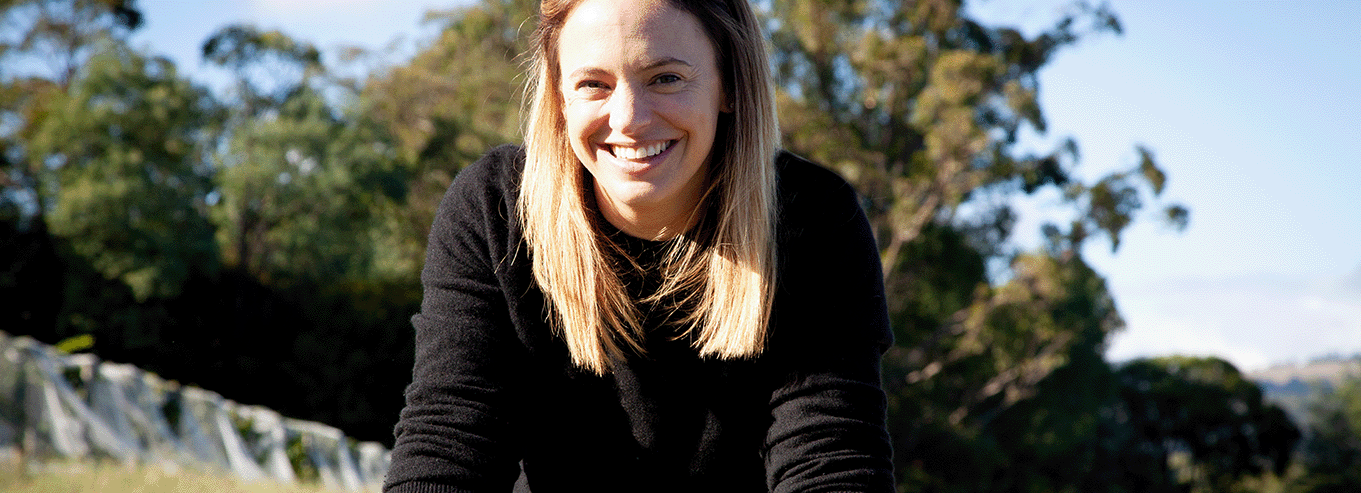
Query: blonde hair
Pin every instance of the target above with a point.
(722, 268)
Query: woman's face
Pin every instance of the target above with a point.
(641, 95)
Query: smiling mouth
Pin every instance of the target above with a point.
(639, 152)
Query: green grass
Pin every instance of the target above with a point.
(110, 478)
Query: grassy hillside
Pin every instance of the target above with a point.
(1291, 386)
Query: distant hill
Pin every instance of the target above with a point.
(1331, 370)
(1290, 386)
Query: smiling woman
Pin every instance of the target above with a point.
(641, 97)
(648, 295)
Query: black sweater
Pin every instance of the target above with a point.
(495, 396)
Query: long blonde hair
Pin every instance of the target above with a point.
(723, 267)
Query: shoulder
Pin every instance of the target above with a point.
(808, 192)
(821, 227)
(498, 170)
(797, 173)
(488, 188)
(829, 272)
(476, 212)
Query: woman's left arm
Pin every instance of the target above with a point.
(830, 330)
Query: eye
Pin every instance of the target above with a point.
(591, 87)
(666, 79)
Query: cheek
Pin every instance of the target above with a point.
(701, 117)
(580, 119)
(705, 106)
(580, 127)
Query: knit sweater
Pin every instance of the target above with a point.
(496, 405)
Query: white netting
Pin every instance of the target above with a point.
(133, 402)
(271, 440)
(77, 407)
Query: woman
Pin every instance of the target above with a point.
(647, 296)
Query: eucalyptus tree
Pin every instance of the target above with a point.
(120, 160)
(454, 100)
(923, 108)
(1200, 425)
(1331, 446)
(43, 44)
(302, 180)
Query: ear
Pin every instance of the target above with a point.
(726, 107)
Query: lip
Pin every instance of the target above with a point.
(636, 166)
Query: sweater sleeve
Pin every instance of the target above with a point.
(829, 332)
(454, 434)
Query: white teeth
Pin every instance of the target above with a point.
(623, 152)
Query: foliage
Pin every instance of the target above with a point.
(1203, 421)
(1011, 396)
(1332, 446)
(75, 344)
(281, 61)
(119, 157)
(61, 33)
(921, 107)
(454, 100)
(301, 187)
(997, 382)
(132, 165)
(44, 43)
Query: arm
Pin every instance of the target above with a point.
(830, 330)
(454, 434)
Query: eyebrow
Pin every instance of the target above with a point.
(660, 62)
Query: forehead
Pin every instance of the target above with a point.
(612, 32)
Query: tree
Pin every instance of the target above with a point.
(1332, 442)
(106, 163)
(302, 186)
(61, 34)
(921, 108)
(453, 101)
(999, 353)
(270, 67)
(120, 161)
(1200, 421)
(1010, 395)
(130, 165)
(46, 42)
(42, 45)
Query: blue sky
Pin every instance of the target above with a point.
(1251, 107)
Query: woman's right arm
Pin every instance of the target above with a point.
(455, 434)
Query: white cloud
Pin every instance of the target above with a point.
(1253, 322)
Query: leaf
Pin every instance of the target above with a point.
(1177, 217)
(1155, 176)
(75, 344)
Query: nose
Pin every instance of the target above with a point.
(629, 109)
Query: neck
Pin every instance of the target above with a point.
(661, 222)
